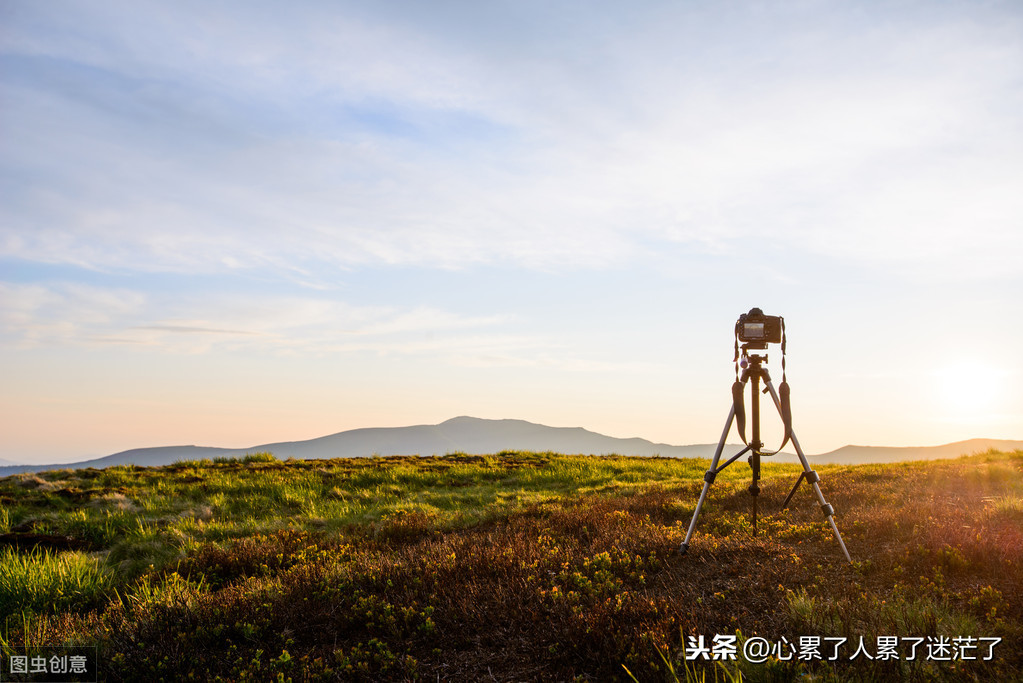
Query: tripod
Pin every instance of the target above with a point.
(753, 372)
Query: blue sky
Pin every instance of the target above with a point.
(233, 223)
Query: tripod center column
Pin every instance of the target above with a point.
(755, 442)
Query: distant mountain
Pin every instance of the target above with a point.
(460, 434)
(474, 435)
(862, 455)
(143, 457)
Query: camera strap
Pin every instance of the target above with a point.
(783, 395)
(786, 413)
(783, 392)
(738, 402)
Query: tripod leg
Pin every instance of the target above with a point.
(708, 479)
(813, 478)
(802, 475)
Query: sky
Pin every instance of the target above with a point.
(233, 223)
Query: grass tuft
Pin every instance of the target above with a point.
(45, 581)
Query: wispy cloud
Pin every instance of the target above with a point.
(41, 314)
(190, 329)
(69, 314)
(331, 136)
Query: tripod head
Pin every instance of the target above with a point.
(746, 358)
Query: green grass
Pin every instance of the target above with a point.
(516, 565)
(215, 500)
(44, 581)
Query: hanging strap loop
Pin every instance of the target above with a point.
(738, 403)
(786, 412)
(784, 395)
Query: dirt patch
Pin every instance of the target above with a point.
(30, 540)
(74, 494)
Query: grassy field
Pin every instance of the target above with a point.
(516, 566)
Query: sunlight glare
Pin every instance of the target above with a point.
(970, 388)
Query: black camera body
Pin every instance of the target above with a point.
(755, 327)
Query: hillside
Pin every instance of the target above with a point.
(858, 455)
(868, 455)
(521, 567)
(479, 436)
(457, 435)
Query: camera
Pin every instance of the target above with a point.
(759, 328)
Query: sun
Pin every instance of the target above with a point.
(969, 388)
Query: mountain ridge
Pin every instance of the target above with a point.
(476, 435)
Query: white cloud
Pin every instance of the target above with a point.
(194, 138)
